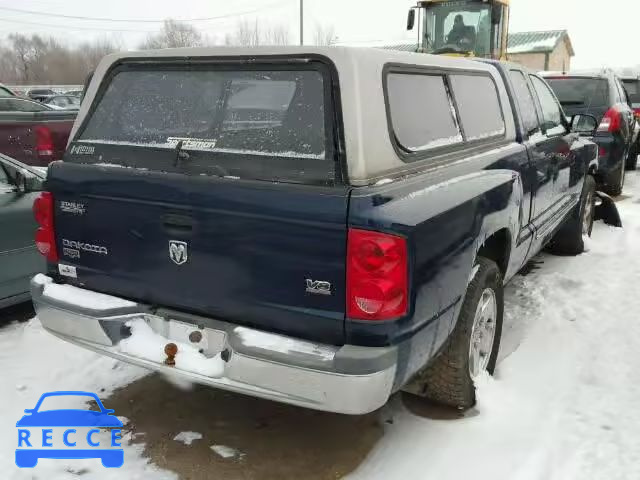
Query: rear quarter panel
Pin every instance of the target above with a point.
(446, 215)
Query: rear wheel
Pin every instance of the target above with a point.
(632, 159)
(473, 345)
(615, 190)
(569, 240)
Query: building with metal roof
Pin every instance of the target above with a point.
(545, 50)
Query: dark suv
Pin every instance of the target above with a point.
(601, 94)
(632, 86)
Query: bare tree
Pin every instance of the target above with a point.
(38, 59)
(27, 52)
(325, 35)
(92, 52)
(250, 34)
(278, 35)
(174, 34)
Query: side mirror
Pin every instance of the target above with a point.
(584, 124)
(27, 182)
(411, 19)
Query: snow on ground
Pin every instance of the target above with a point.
(564, 402)
(562, 406)
(34, 362)
(187, 437)
(224, 451)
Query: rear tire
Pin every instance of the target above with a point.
(615, 190)
(569, 239)
(449, 379)
(632, 160)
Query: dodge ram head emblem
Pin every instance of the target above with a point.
(178, 252)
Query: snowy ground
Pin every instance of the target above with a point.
(563, 404)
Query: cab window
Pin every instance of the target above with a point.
(525, 101)
(551, 111)
(410, 96)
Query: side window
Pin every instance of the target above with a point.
(551, 112)
(5, 182)
(525, 102)
(478, 106)
(624, 98)
(27, 106)
(422, 113)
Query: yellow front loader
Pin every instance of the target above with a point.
(469, 28)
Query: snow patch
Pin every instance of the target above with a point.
(84, 298)
(149, 345)
(225, 452)
(287, 154)
(440, 142)
(187, 437)
(42, 279)
(279, 343)
(37, 362)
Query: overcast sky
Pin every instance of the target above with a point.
(603, 33)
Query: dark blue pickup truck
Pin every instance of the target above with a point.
(317, 226)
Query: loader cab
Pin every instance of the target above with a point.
(469, 28)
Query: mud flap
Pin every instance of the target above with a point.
(606, 210)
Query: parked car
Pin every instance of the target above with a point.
(32, 132)
(19, 259)
(40, 94)
(63, 102)
(75, 93)
(356, 245)
(17, 104)
(6, 92)
(601, 94)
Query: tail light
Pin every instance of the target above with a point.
(611, 122)
(44, 142)
(45, 235)
(377, 284)
(637, 112)
(602, 152)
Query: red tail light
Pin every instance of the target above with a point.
(377, 284)
(637, 112)
(45, 235)
(44, 142)
(611, 122)
(601, 152)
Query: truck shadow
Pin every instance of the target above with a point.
(272, 441)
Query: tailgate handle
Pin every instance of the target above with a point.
(177, 223)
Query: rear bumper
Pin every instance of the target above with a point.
(612, 161)
(347, 379)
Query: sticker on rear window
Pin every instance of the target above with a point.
(192, 143)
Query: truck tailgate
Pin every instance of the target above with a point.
(240, 251)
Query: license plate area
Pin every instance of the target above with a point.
(208, 341)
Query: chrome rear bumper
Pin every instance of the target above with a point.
(347, 379)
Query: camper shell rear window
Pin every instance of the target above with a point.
(262, 121)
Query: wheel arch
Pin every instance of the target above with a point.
(497, 247)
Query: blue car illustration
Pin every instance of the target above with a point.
(28, 457)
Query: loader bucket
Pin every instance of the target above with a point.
(606, 210)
